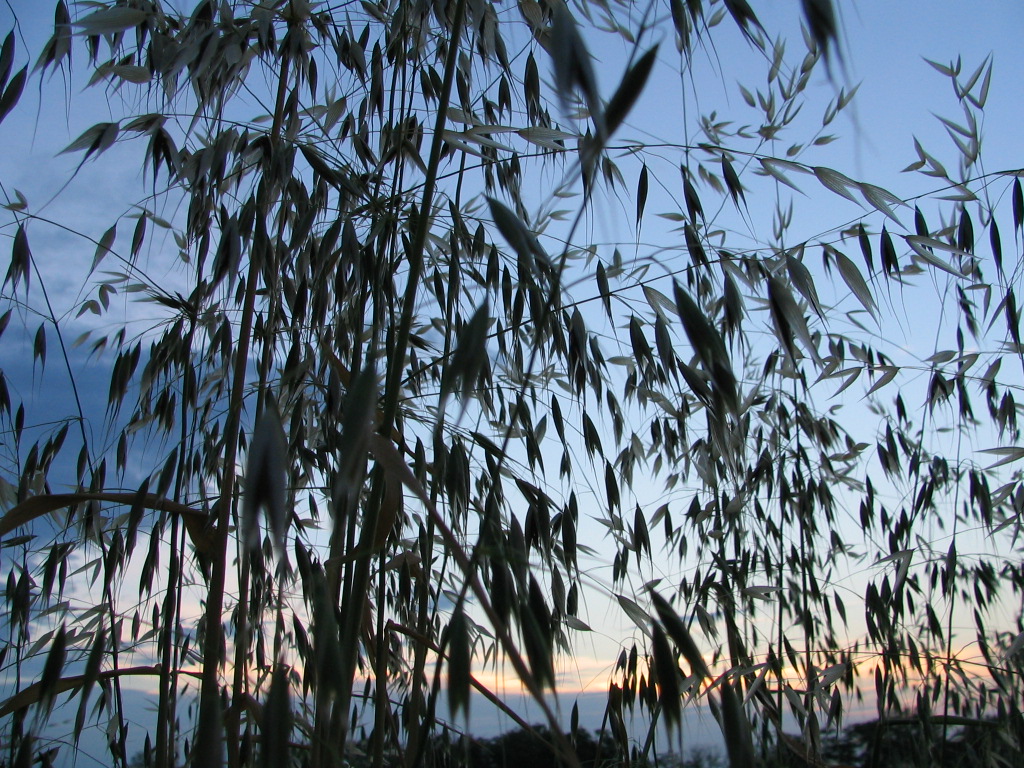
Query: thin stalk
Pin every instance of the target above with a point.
(108, 593)
(210, 689)
(380, 701)
(164, 744)
(416, 736)
(355, 598)
(951, 582)
(780, 639)
(415, 256)
(471, 574)
(240, 678)
(165, 708)
(423, 616)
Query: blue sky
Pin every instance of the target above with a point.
(883, 48)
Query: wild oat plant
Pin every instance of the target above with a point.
(403, 375)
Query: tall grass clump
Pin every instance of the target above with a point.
(417, 341)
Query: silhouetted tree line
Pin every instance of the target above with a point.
(518, 749)
(904, 743)
(915, 743)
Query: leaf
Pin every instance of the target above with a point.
(641, 535)
(889, 373)
(21, 259)
(326, 635)
(98, 138)
(6, 58)
(941, 357)
(1018, 204)
(461, 373)
(732, 182)
(636, 614)
(744, 16)
(738, 741)
(464, 138)
(266, 476)
(641, 195)
(889, 261)
(1014, 647)
(29, 695)
(459, 663)
(941, 68)
(693, 245)
(789, 320)
(19, 204)
(109, 21)
(131, 73)
(680, 636)
(800, 276)
(982, 98)
(59, 45)
(572, 64)
(569, 539)
(925, 241)
(776, 169)
(709, 345)
(277, 721)
(92, 674)
(994, 242)
(391, 460)
(881, 199)
(1010, 454)
(831, 675)
(681, 22)
(139, 234)
(667, 673)
(522, 240)
(388, 514)
(52, 669)
(821, 21)
(103, 248)
(928, 255)
(836, 182)
(36, 506)
(319, 165)
(549, 138)
(659, 302)
(629, 91)
(39, 344)
(575, 623)
(855, 281)
(693, 205)
(536, 627)
(604, 289)
(846, 384)
(761, 592)
(13, 92)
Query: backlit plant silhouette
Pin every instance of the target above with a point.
(351, 444)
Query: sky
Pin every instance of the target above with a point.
(883, 47)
